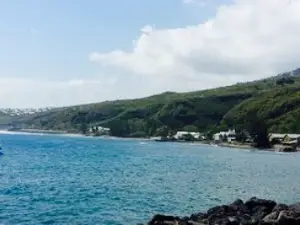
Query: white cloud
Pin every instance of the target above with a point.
(246, 40)
(33, 92)
(27, 92)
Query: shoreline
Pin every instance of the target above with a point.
(242, 146)
(66, 134)
(148, 139)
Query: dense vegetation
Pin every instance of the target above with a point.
(4, 118)
(279, 108)
(275, 100)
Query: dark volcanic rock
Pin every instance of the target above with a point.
(199, 217)
(239, 207)
(295, 207)
(163, 220)
(260, 207)
(280, 207)
(255, 211)
(288, 217)
(273, 216)
(254, 203)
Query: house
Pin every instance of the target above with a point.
(229, 135)
(181, 134)
(276, 138)
(99, 130)
(284, 138)
(292, 138)
(103, 129)
(219, 136)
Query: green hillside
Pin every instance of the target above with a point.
(280, 109)
(4, 118)
(275, 99)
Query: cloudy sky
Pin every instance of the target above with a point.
(66, 52)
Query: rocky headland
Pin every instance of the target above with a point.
(255, 211)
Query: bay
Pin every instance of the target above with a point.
(48, 179)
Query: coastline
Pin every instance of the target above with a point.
(148, 139)
(67, 134)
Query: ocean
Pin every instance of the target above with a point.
(48, 179)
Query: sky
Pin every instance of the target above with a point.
(68, 52)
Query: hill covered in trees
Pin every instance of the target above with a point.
(5, 118)
(276, 100)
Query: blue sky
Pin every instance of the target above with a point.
(53, 38)
(66, 52)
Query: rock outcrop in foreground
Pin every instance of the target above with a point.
(252, 212)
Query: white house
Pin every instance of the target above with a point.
(99, 129)
(181, 134)
(277, 137)
(230, 135)
(103, 129)
(284, 137)
(293, 136)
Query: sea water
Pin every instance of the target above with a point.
(73, 180)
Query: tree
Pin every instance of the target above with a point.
(224, 138)
(242, 136)
(83, 128)
(163, 132)
(95, 129)
(190, 128)
(119, 128)
(285, 80)
(188, 137)
(258, 130)
(139, 134)
(171, 133)
(209, 135)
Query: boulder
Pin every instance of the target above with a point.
(199, 217)
(280, 207)
(260, 207)
(237, 203)
(271, 218)
(254, 203)
(288, 217)
(246, 219)
(219, 210)
(220, 215)
(164, 220)
(239, 206)
(295, 207)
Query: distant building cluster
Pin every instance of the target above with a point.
(25, 111)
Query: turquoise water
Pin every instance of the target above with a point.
(61, 180)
